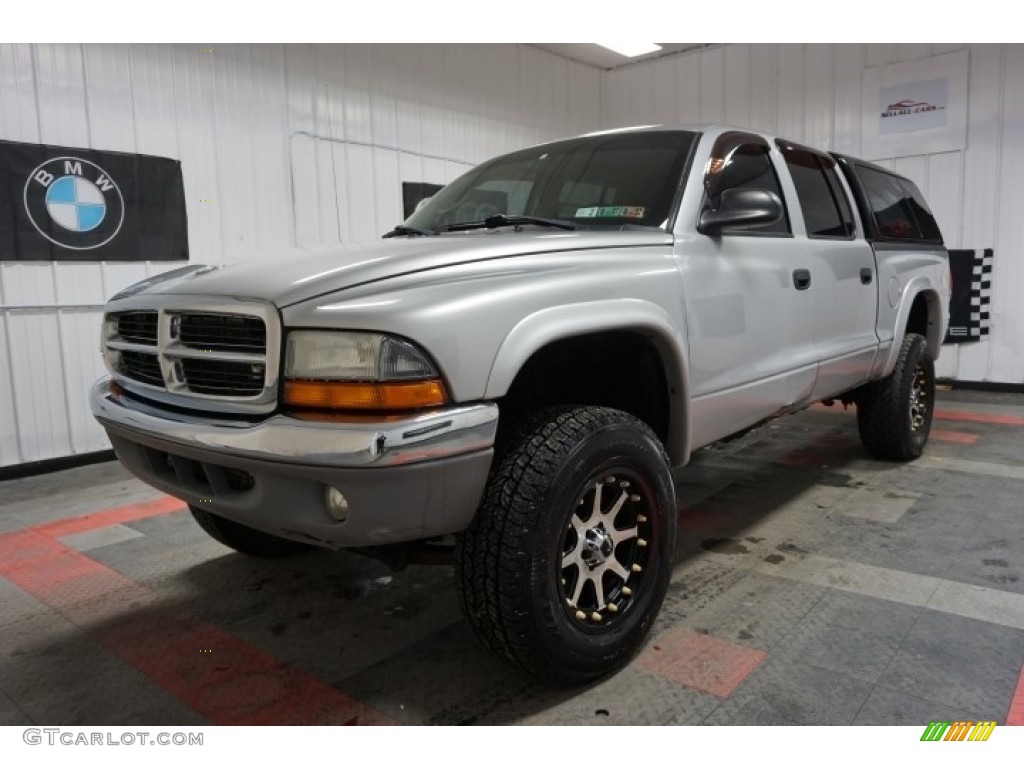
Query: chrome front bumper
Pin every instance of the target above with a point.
(413, 478)
(423, 437)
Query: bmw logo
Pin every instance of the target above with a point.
(74, 203)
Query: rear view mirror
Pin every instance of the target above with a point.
(741, 209)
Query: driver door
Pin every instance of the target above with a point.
(749, 312)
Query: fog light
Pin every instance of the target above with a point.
(337, 504)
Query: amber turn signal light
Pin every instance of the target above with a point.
(363, 396)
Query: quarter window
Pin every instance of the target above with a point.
(898, 208)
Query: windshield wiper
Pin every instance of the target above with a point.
(502, 220)
(402, 231)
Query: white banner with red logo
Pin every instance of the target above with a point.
(916, 107)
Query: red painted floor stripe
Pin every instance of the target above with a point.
(952, 436)
(1015, 715)
(162, 506)
(706, 663)
(217, 674)
(981, 418)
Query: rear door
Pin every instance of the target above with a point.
(844, 280)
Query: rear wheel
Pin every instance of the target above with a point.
(244, 539)
(894, 415)
(567, 561)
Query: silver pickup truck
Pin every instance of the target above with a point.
(522, 362)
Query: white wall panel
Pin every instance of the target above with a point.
(194, 111)
(712, 85)
(18, 116)
(846, 120)
(1007, 362)
(791, 92)
(107, 77)
(10, 450)
(153, 106)
(688, 88)
(60, 95)
(280, 145)
(83, 365)
(764, 86)
(737, 86)
(982, 171)
(39, 396)
(818, 91)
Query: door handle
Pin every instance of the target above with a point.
(802, 279)
(866, 275)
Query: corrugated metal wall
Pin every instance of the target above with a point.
(280, 146)
(812, 93)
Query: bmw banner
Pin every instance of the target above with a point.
(69, 204)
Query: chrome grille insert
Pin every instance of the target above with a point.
(215, 356)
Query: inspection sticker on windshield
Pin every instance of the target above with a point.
(611, 211)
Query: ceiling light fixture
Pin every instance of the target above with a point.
(631, 49)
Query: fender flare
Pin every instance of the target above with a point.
(545, 326)
(918, 286)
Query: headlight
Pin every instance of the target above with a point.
(364, 371)
(354, 357)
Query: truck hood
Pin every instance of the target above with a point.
(307, 274)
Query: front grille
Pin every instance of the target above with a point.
(230, 333)
(199, 355)
(137, 327)
(143, 367)
(221, 377)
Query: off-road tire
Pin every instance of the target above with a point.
(551, 499)
(244, 539)
(894, 415)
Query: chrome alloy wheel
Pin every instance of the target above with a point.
(605, 549)
(920, 398)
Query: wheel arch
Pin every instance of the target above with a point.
(590, 322)
(920, 312)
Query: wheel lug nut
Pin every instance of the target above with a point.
(641, 518)
(610, 479)
(641, 542)
(634, 497)
(613, 608)
(627, 592)
(624, 484)
(595, 616)
(637, 568)
(581, 615)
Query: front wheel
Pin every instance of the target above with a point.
(567, 561)
(894, 415)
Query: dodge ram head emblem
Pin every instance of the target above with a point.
(74, 203)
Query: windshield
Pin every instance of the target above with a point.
(610, 180)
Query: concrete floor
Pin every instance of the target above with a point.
(813, 586)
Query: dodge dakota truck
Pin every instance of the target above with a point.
(518, 367)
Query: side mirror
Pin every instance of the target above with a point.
(741, 209)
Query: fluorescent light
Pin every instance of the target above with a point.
(631, 49)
